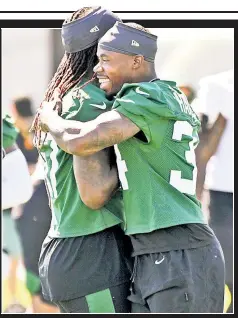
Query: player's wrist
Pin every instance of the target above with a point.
(47, 117)
(56, 126)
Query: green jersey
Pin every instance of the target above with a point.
(70, 216)
(158, 171)
(10, 132)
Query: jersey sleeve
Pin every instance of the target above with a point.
(85, 104)
(143, 104)
(10, 132)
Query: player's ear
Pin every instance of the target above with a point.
(137, 61)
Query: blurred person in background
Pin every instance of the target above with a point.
(16, 189)
(189, 92)
(215, 104)
(33, 218)
(83, 264)
(22, 112)
(14, 178)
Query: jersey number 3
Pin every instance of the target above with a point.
(184, 185)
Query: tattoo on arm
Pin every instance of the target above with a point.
(107, 130)
(96, 179)
(84, 139)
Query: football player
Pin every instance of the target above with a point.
(178, 261)
(83, 264)
(15, 171)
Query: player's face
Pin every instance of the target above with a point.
(113, 70)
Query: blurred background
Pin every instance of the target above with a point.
(30, 57)
(187, 56)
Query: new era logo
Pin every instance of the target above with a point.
(94, 29)
(134, 43)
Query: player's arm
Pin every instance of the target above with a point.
(16, 182)
(209, 141)
(96, 177)
(83, 139)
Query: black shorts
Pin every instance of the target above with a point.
(179, 281)
(74, 267)
(33, 227)
(110, 300)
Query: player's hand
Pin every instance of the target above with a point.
(46, 115)
(49, 111)
(57, 101)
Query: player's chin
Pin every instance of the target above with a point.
(106, 86)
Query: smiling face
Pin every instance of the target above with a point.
(113, 70)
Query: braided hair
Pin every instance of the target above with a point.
(70, 71)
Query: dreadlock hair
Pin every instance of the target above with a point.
(70, 71)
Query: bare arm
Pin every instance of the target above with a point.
(96, 178)
(209, 141)
(83, 139)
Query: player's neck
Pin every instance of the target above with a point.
(147, 77)
(147, 72)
